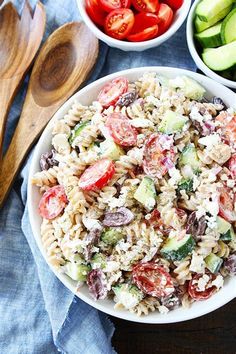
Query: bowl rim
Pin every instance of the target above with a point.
(184, 10)
(219, 300)
(196, 57)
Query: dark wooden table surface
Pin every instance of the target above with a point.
(211, 334)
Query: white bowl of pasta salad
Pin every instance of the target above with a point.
(132, 195)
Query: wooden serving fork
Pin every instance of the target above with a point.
(20, 38)
(62, 66)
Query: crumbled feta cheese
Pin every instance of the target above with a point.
(91, 223)
(97, 105)
(111, 266)
(211, 221)
(211, 176)
(163, 309)
(224, 177)
(195, 115)
(202, 282)
(197, 263)
(210, 141)
(97, 119)
(230, 183)
(123, 246)
(200, 211)
(153, 100)
(166, 141)
(137, 154)
(212, 207)
(105, 132)
(218, 282)
(175, 176)
(126, 298)
(141, 123)
(187, 171)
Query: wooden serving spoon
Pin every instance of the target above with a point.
(63, 64)
(20, 38)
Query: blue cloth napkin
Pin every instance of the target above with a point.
(38, 314)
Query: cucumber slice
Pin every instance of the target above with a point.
(221, 58)
(211, 37)
(228, 31)
(185, 184)
(225, 229)
(172, 122)
(77, 271)
(111, 150)
(201, 25)
(111, 236)
(146, 193)
(228, 236)
(213, 263)
(223, 226)
(98, 261)
(77, 131)
(189, 157)
(177, 249)
(209, 9)
(232, 243)
(191, 88)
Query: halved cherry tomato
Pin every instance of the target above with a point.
(95, 12)
(152, 279)
(52, 202)
(119, 23)
(230, 130)
(174, 4)
(111, 92)
(120, 129)
(226, 204)
(200, 295)
(165, 16)
(146, 5)
(232, 165)
(144, 20)
(146, 34)
(110, 5)
(228, 127)
(98, 175)
(125, 3)
(158, 155)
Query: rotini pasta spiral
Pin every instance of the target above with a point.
(182, 271)
(86, 138)
(46, 177)
(221, 249)
(78, 113)
(51, 245)
(60, 127)
(207, 244)
(147, 305)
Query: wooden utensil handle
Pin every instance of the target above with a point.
(8, 89)
(23, 139)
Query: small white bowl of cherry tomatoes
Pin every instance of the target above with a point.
(134, 24)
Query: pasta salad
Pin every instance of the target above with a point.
(138, 194)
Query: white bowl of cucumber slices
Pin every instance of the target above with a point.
(211, 37)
